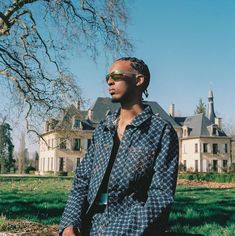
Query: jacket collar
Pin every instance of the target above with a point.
(111, 119)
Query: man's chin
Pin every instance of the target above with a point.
(115, 100)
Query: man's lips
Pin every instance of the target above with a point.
(111, 91)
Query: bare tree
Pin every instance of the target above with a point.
(229, 127)
(36, 37)
(22, 155)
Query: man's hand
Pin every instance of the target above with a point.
(71, 231)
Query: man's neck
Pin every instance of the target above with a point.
(129, 112)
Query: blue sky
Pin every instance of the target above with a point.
(189, 46)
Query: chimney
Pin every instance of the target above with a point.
(218, 121)
(171, 110)
(78, 105)
(46, 126)
(210, 113)
(90, 114)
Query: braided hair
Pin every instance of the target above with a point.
(142, 68)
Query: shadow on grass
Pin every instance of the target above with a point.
(180, 234)
(38, 208)
(199, 206)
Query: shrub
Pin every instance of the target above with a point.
(49, 172)
(3, 221)
(213, 177)
(28, 169)
(62, 173)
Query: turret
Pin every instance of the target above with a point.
(210, 112)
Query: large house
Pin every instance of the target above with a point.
(65, 140)
(203, 144)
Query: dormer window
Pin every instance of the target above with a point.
(185, 131)
(76, 123)
(213, 130)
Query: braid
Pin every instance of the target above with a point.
(142, 68)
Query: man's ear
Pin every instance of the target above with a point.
(139, 80)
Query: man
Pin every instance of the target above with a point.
(126, 183)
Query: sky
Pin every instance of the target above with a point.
(189, 46)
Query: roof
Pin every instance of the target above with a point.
(180, 120)
(104, 105)
(198, 125)
(65, 120)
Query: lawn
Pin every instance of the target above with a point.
(197, 210)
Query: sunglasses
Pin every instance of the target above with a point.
(119, 75)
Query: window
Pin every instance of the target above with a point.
(77, 144)
(205, 147)
(213, 131)
(185, 165)
(215, 148)
(88, 143)
(196, 165)
(78, 161)
(48, 144)
(61, 164)
(196, 147)
(77, 123)
(51, 163)
(215, 165)
(225, 148)
(62, 143)
(48, 163)
(225, 163)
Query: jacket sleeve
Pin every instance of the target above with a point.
(76, 202)
(151, 218)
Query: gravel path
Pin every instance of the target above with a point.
(204, 184)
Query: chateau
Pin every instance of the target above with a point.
(204, 146)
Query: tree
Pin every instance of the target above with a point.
(201, 107)
(36, 160)
(36, 37)
(6, 148)
(22, 155)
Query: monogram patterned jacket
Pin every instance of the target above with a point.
(142, 183)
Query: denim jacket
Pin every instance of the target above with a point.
(141, 184)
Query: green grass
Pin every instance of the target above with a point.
(35, 199)
(197, 210)
(203, 211)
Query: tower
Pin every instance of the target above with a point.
(210, 112)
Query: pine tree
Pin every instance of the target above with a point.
(6, 148)
(201, 107)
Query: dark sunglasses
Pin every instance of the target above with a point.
(119, 75)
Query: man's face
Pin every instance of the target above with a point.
(121, 81)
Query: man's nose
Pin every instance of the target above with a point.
(110, 81)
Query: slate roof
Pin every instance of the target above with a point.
(65, 121)
(104, 105)
(180, 120)
(198, 126)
